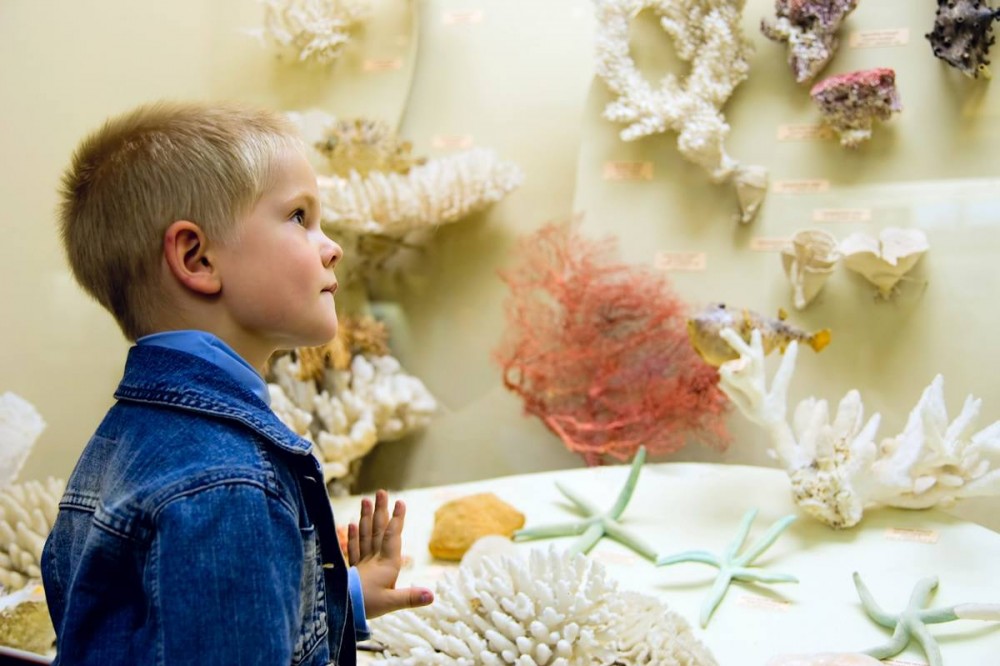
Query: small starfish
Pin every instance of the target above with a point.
(596, 524)
(911, 622)
(733, 566)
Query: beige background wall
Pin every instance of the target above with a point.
(517, 76)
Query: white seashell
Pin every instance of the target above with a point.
(808, 262)
(884, 261)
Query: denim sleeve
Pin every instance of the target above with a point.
(358, 604)
(224, 574)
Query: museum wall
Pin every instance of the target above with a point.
(518, 77)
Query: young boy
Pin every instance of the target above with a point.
(196, 528)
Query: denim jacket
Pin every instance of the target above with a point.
(195, 529)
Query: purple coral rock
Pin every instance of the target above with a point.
(851, 102)
(963, 34)
(810, 29)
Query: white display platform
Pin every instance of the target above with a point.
(692, 506)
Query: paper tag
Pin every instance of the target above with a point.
(467, 17)
(842, 215)
(681, 261)
(627, 171)
(763, 603)
(910, 534)
(804, 132)
(575, 218)
(874, 39)
(805, 186)
(381, 64)
(452, 141)
(903, 662)
(761, 244)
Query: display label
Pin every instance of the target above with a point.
(805, 186)
(452, 141)
(761, 244)
(575, 218)
(903, 662)
(763, 603)
(876, 39)
(381, 64)
(804, 132)
(681, 261)
(842, 215)
(467, 17)
(627, 171)
(910, 534)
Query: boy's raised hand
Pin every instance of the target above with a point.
(374, 546)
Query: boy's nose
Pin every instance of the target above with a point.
(331, 252)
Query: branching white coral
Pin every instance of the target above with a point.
(708, 36)
(549, 609)
(836, 468)
(20, 426)
(313, 30)
(351, 410)
(27, 513)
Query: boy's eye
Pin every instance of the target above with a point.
(299, 216)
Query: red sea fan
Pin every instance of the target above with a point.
(599, 352)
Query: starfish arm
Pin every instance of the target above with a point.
(714, 597)
(977, 611)
(741, 535)
(938, 615)
(758, 576)
(702, 556)
(554, 530)
(588, 540)
(633, 476)
(927, 642)
(922, 592)
(898, 642)
(765, 541)
(872, 608)
(585, 506)
(623, 536)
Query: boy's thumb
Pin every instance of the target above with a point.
(418, 596)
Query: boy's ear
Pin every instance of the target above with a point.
(185, 248)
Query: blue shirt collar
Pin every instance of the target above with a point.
(211, 348)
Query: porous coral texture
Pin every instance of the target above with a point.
(364, 146)
(27, 513)
(963, 34)
(25, 622)
(707, 36)
(549, 609)
(313, 30)
(598, 350)
(850, 103)
(809, 27)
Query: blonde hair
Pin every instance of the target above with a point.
(145, 169)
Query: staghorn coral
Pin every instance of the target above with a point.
(27, 512)
(365, 146)
(809, 27)
(963, 34)
(851, 102)
(549, 609)
(313, 30)
(598, 351)
(20, 426)
(836, 468)
(708, 36)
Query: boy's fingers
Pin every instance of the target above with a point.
(392, 542)
(365, 529)
(353, 547)
(380, 520)
(419, 596)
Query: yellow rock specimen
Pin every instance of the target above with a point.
(460, 522)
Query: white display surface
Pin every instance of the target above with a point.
(693, 506)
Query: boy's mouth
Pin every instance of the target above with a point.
(331, 288)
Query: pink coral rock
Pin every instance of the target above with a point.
(851, 102)
(809, 27)
(963, 34)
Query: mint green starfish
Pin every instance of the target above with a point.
(597, 524)
(911, 623)
(733, 566)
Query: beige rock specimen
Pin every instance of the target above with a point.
(460, 522)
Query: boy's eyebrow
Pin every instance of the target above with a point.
(310, 200)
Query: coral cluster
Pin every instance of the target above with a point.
(20, 426)
(836, 467)
(809, 27)
(551, 609)
(598, 351)
(364, 146)
(963, 34)
(851, 102)
(25, 622)
(313, 30)
(708, 37)
(27, 513)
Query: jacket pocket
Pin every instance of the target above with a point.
(312, 592)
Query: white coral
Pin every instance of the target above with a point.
(549, 609)
(837, 469)
(27, 513)
(314, 30)
(708, 36)
(20, 426)
(352, 410)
